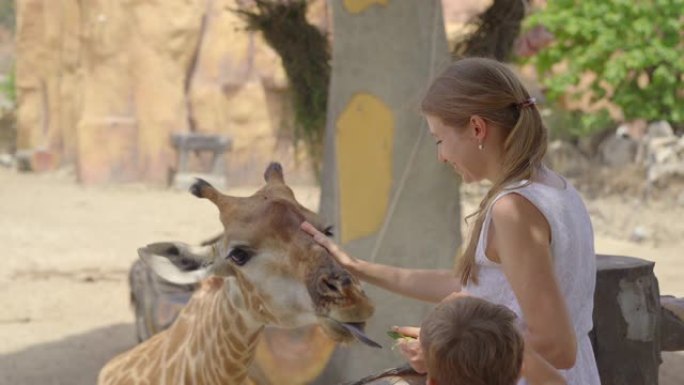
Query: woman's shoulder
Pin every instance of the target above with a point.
(512, 204)
(546, 190)
(513, 210)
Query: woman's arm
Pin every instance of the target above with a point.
(430, 285)
(522, 238)
(537, 371)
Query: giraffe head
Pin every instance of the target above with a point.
(285, 278)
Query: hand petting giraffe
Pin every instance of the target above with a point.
(263, 271)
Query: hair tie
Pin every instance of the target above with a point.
(527, 103)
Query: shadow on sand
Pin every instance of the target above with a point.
(672, 369)
(73, 360)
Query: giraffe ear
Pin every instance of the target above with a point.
(178, 262)
(274, 173)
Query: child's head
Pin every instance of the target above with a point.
(470, 341)
(487, 127)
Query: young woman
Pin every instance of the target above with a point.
(531, 244)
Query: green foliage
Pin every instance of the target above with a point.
(571, 125)
(633, 46)
(7, 14)
(7, 87)
(495, 32)
(7, 20)
(305, 53)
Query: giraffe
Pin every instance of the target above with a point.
(262, 271)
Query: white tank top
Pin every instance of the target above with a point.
(572, 245)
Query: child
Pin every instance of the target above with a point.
(470, 341)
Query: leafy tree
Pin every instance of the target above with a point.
(7, 14)
(305, 53)
(633, 46)
(495, 32)
(7, 86)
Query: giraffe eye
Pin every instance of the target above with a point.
(240, 256)
(328, 231)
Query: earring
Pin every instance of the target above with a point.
(480, 146)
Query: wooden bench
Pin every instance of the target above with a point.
(185, 143)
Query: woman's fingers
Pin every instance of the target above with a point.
(319, 237)
(309, 228)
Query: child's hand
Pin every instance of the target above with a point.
(397, 336)
(410, 347)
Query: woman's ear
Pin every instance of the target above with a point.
(479, 128)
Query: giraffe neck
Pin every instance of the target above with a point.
(217, 335)
(212, 341)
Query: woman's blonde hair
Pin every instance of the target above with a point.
(489, 89)
(468, 340)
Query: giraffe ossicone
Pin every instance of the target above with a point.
(263, 270)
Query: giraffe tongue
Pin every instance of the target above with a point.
(357, 332)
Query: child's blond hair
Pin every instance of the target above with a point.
(470, 341)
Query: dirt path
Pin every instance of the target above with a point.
(67, 249)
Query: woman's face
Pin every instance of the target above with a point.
(458, 146)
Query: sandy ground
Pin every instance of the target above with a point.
(67, 250)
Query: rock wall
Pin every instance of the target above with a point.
(40, 39)
(103, 84)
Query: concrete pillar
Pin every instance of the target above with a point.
(388, 197)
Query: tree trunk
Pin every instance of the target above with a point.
(627, 318)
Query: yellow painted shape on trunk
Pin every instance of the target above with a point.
(364, 144)
(358, 6)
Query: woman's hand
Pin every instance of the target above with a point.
(410, 348)
(430, 285)
(343, 258)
